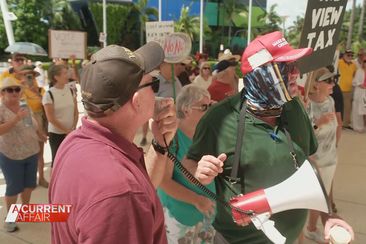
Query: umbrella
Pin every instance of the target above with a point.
(26, 48)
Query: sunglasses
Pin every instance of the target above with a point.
(155, 84)
(206, 68)
(202, 108)
(331, 80)
(12, 90)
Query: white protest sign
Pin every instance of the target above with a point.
(158, 30)
(63, 44)
(177, 47)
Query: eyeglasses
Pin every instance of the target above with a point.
(12, 90)
(202, 108)
(206, 68)
(155, 84)
(183, 64)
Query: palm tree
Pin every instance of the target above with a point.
(272, 20)
(234, 10)
(294, 31)
(145, 15)
(360, 27)
(188, 24)
(350, 27)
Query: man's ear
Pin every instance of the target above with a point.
(136, 101)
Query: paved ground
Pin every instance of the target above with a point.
(349, 193)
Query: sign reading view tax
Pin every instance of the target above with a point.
(322, 25)
(63, 44)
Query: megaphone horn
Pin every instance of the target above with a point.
(303, 190)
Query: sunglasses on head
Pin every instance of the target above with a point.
(155, 84)
(202, 108)
(12, 89)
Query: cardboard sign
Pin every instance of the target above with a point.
(177, 47)
(323, 20)
(63, 44)
(158, 30)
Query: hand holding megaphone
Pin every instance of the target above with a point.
(303, 190)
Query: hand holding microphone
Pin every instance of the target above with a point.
(164, 124)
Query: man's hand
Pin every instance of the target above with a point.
(209, 167)
(331, 222)
(164, 123)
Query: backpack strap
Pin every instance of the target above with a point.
(51, 95)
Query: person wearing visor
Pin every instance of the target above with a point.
(98, 169)
(321, 110)
(224, 82)
(265, 152)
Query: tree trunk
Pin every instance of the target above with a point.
(360, 27)
(350, 28)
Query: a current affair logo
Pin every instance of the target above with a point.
(38, 213)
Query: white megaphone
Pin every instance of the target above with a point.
(303, 190)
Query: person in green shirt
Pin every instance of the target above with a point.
(266, 160)
(188, 212)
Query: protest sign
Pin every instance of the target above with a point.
(322, 25)
(158, 30)
(63, 44)
(177, 47)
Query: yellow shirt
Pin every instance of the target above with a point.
(33, 97)
(347, 71)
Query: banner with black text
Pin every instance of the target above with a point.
(322, 25)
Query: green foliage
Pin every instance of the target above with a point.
(118, 22)
(272, 20)
(35, 17)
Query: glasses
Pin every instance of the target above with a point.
(12, 90)
(206, 68)
(202, 108)
(155, 84)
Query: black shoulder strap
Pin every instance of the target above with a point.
(51, 95)
(233, 178)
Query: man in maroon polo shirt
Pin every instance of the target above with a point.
(98, 169)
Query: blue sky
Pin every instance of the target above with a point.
(292, 8)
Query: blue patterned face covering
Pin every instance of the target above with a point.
(263, 91)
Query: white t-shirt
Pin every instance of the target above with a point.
(64, 107)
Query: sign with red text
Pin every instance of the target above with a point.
(177, 47)
(322, 26)
(38, 213)
(158, 30)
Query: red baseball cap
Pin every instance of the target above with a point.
(271, 47)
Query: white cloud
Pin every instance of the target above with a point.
(292, 8)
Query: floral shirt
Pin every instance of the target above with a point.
(20, 141)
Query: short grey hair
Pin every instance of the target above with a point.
(188, 96)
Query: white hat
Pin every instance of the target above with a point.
(8, 82)
(227, 55)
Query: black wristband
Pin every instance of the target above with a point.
(158, 148)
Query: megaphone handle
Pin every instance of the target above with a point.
(262, 222)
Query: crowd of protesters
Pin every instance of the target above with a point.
(117, 109)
